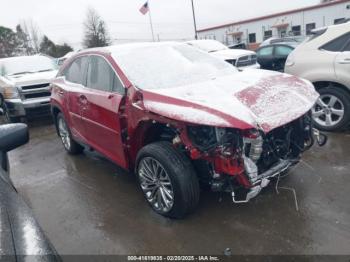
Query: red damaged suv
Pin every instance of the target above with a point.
(178, 118)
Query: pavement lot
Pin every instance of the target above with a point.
(87, 205)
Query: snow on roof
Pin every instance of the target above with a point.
(167, 64)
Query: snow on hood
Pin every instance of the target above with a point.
(32, 78)
(250, 99)
(232, 53)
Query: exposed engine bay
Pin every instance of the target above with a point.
(243, 162)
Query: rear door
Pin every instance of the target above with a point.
(281, 53)
(342, 62)
(337, 49)
(265, 57)
(75, 81)
(101, 103)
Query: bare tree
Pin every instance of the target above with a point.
(96, 34)
(34, 36)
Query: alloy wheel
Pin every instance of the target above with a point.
(64, 133)
(328, 111)
(156, 184)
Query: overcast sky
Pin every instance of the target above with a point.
(62, 20)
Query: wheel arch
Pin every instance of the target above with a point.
(148, 132)
(55, 110)
(324, 84)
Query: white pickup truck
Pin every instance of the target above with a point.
(25, 86)
(239, 58)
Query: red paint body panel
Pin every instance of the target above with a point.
(119, 126)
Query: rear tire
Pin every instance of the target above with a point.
(332, 111)
(167, 179)
(68, 142)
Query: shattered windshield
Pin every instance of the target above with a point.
(26, 65)
(167, 66)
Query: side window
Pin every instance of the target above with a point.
(347, 47)
(102, 77)
(266, 51)
(75, 73)
(283, 50)
(117, 85)
(337, 44)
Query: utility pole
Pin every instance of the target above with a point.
(194, 21)
(150, 20)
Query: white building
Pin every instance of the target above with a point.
(294, 22)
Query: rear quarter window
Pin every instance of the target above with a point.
(338, 44)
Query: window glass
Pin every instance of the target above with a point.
(117, 85)
(337, 44)
(102, 77)
(283, 50)
(266, 51)
(339, 21)
(296, 30)
(252, 38)
(347, 47)
(267, 34)
(76, 71)
(309, 28)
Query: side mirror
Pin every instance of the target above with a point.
(13, 136)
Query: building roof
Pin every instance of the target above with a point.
(277, 14)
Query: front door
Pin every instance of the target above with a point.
(75, 76)
(100, 112)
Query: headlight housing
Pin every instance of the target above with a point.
(10, 92)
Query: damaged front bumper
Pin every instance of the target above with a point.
(262, 180)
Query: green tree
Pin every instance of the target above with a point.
(61, 50)
(8, 42)
(50, 48)
(96, 34)
(47, 46)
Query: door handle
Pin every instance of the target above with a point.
(344, 61)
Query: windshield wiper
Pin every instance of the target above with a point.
(21, 73)
(45, 70)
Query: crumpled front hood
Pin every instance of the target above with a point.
(250, 99)
(232, 53)
(33, 78)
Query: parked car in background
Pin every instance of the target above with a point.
(25, 85)
(238, 46)
(289, 40)
(273, 57)
(21, 237)
(325, 60)
(178, 116)
(61, 60)
(239, 58)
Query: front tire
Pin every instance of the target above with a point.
(69, 144)
(332, 110)
(167, 179)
